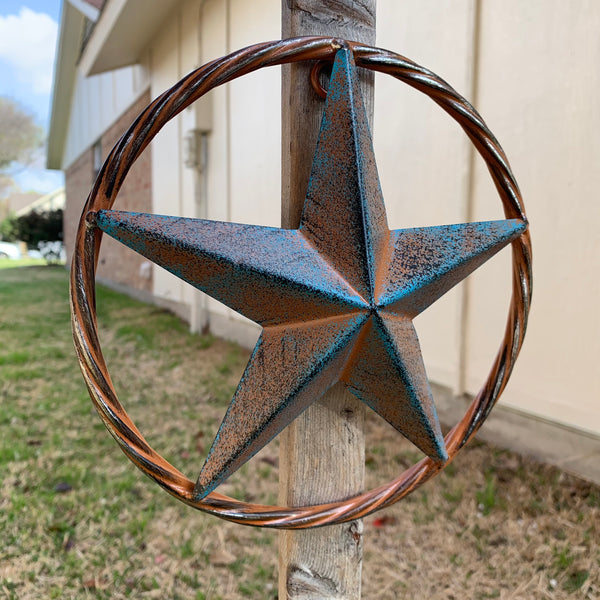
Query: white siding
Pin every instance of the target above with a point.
(97, 103)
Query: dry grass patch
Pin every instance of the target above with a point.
(79, 521)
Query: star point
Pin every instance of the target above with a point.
(344, 213)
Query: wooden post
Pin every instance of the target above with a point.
(322, 452)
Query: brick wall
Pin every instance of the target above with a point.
(117, 263)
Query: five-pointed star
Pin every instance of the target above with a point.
(335, 298)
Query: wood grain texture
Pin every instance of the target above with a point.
(322, 452)
(322, 458)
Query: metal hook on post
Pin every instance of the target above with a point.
(315, 77)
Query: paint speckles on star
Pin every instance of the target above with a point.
(335, 298)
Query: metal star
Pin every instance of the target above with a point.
(335, 298)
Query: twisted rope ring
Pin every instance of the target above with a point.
(104, 193)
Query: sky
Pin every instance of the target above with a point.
(28, 32)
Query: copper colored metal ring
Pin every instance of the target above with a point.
(315, 77)
(104, 193)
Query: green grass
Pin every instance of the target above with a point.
(487, 498)
(79, 521)
(70, 503)
(7, 263)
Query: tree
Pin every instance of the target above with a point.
(39, 226)
(20, 139)
(20, 136)
(40, 230)
(8, 228)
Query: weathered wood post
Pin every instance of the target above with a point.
(322, 452)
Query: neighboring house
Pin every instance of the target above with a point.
(53, 201)
(17, 201)
(507, 57)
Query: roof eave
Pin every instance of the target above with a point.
(122, 33)
(68, 46)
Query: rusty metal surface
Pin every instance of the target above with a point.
(335, 297)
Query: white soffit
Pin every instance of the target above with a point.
(123, 31)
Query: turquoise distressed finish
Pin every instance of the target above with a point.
(335, 298)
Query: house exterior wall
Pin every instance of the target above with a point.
(538, 85)
(502, 56)
(78, 183)
(242, 181)
(422, 156)
(541, 102)
(117, 263)
(102, 107)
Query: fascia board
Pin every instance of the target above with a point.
(65, 66)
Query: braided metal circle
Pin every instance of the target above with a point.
(105, 191)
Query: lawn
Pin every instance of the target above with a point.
(7, 263)
(78, 520)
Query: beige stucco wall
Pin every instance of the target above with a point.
(422, 156)
(531, 70)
